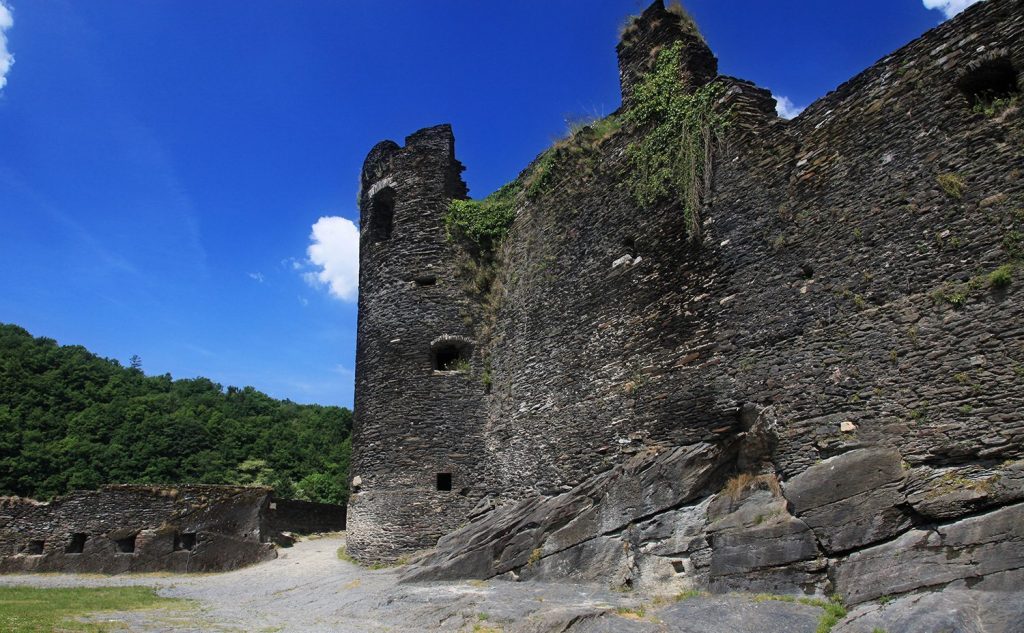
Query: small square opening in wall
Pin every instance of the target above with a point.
(185, 541)
(125, 545)
(76, 545)
(34, 548)
(444, 481)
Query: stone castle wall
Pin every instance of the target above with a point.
(838, 311)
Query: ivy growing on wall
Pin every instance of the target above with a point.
(680, 131)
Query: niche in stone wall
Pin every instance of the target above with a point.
(987, 81)
(451, 354)
(34, 547)
(382, 214)
(444, 481)
(76, 544)
(185, 541)
(125, 545)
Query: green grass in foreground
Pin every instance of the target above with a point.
(35, 610)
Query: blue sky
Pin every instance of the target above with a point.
(176, 176)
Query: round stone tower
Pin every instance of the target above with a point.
(418, 401)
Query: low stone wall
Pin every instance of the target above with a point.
(135, 528)
(306, 517)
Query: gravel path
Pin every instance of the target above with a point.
(307, 589)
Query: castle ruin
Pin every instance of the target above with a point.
(816, 368)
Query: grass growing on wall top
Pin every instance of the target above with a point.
(484, 223)
(680, 130)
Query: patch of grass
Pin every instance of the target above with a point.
(630, 29)
(1001, 277)
(572, 157)
(32, 609)
(884, 600)
(833, 608)
(483, 223)
(343, 555)
(996, 106)
(738, 484)
(953, 185)
(834, 612)
(480, 628)
(535, 556)
(689, 594)
(681, 130)
(637, 612)
(1013, 244)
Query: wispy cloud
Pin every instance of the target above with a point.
(785, 107)
(258, 277)
(335, 251)
(304, 301)
(6, 58)
(292, 263)
(949, 8)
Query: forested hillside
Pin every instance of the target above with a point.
(70, 419)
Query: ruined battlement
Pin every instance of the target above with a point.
(144, 528)
(851, 300)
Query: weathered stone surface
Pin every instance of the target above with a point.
(760, 534)
(851, 500)
(517, 535)
(602, 560)
(949, 611)
(972, 548)
(947, 493)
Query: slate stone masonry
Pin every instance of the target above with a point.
(841, 296)
(137, 528)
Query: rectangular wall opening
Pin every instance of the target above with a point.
(76, 545)
(444, 481)
(185, 542)
(34, 548)
(125, 545)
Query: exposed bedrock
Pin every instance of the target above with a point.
(671, 520)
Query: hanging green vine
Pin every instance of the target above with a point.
(680, 131)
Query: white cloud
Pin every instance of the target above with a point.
(304, 301)
(335, 251)
(6, 59)
(949, 8)
(257, 276)
(785, 107)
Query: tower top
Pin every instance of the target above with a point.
(658, 28)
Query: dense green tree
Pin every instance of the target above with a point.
(72, 420)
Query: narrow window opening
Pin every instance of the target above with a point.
(426, 280)
(185, 541)
(382, 215)
(991, 81)
(76, 545)
(125, 545)
(679, 566)
(34, 548)
(444, 481)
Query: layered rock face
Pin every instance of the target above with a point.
(822, 394)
